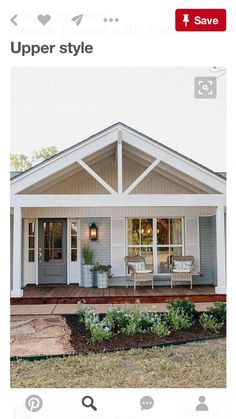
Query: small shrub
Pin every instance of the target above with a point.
(177, 319)
(97, 328)
(161, 329)
(148, 320)
(218, 311)
(209, 322)
(99, 332)
(186, 305)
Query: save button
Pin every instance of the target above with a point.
(200, 20)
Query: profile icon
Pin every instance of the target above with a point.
(202, 407)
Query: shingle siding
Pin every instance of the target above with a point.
(102, 246)
(207, 234)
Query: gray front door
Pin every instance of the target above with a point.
(52, 251)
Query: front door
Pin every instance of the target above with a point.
(52, 251)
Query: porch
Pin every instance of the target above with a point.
(72, 294)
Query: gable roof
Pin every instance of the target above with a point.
(114, 128)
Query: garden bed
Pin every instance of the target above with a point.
(81, 342)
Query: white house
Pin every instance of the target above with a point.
(143, 197)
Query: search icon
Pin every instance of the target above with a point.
(205, 87)
(87, 401)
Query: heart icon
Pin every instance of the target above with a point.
(44, 19)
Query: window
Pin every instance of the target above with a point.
(31, 242)
(157, 239)
(169, 242)
(140, 238)
(74, 242)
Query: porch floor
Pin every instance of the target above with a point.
(71, 294)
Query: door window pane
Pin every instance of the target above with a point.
(73, 242)
(31, 242)
(163, 260)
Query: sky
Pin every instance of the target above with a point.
(62, 106)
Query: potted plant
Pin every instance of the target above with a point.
(87, 267)
(103, 273)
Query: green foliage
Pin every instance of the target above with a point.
(22, 162)
(87, 254)
(161, 329)
(177, 319)
(186, 305)
(218, 311)
(43, 154)
(126, 321)
(209, 322)
(98, 329)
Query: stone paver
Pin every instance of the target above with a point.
(39, 335)
(32, 309)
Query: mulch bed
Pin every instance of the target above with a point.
(81, 342)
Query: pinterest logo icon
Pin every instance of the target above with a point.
(33, 403)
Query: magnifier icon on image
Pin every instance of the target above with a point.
(205, 87)
(87, 401)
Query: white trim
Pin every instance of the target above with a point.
(97, 177)
(220, 248)
(142, 176)
(59, 162)
(120, 163)
(37, 251)
(17, 253)
(107, 137)
(100, 200)
(68, 248)
(171, 158)
(220, 290)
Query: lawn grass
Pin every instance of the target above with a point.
(201, 364)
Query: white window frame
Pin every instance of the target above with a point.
(154, 241)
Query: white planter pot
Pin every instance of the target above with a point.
(87, 276)
(102, 280)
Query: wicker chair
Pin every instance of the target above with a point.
(138, 276)
(184, 273)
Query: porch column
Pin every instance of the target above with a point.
(220, 250)
(17, 252)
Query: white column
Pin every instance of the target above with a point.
(220, 250)
(17, 252)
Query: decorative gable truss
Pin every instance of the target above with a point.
(155, 159)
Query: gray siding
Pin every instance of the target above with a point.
(102, 246)
(207, 232)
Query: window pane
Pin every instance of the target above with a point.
(133, 251)
(147, 253)
(57, 255)
(73, 255)
(73, 242)
(146, 231)
(31, 229)
(73, 228)
(133, 231)
(163, 231)
(46, 255)
(31, 255)
(47, 242)
(163, 259)
(31, 242)
(176, 231)
(57, 242)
